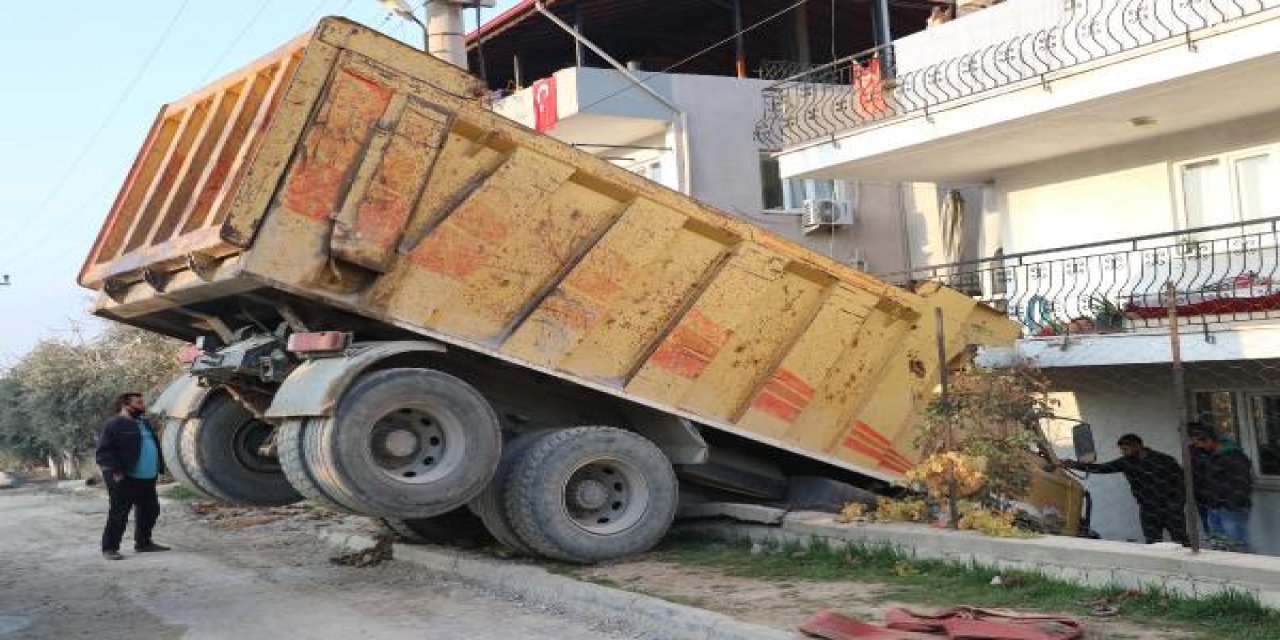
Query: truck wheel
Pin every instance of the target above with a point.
(171, 452)
(459, 524)
(588, 494)
(491, 504)
(405, 443)
(293, 460)
(220, 452)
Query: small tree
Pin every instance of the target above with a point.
(54, 398)
(983, 433)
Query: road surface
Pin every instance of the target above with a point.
(251, 583)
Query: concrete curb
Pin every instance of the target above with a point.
(652, 616)
(1091, 563)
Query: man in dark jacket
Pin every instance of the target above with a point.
(1156, 482)
(1224, 484)
(130, 460)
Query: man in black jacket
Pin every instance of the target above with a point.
(1156, 482)
(1224, 486)
(130, 460)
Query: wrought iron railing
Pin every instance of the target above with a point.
(1221, 274)
(782, 69)
(855, 91)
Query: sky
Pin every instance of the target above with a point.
(83, 80)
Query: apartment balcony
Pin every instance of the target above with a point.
(1024, 81)
(1109, 302)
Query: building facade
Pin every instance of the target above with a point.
(1118, 160)
(681, 107)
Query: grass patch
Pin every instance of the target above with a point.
(1227, 616)
(181, 493)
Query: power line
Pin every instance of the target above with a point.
(262, 7)
(699, 54)
(93, 139)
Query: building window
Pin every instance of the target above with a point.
(790, 194)
(651, 169)
(771, 183)
(1264, 414)
(1217, 409)
(1229, 188)
(1255, 426)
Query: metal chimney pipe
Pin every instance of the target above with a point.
(445, 37)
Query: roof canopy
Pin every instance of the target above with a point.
(660, 33)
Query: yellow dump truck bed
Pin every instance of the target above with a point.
(349, 173)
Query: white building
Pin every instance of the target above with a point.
(692, 129)
(1103, 148)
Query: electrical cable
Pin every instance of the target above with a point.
(699, 54)
(262, 7)
(17, 233)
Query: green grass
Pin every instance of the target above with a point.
(1228, 616)
(181, 493)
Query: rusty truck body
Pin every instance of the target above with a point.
(403, 303)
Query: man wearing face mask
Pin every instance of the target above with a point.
(130, 460)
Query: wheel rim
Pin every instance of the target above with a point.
(415, 445)
(246, 444)
(605, 496)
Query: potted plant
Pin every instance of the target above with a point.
(1108, 317)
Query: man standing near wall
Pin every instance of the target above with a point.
(130, 462)
(1155, 479)
(1224, 484)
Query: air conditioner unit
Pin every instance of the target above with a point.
(826, 213)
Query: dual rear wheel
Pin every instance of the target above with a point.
(413, 446)
(221, 455)
(403, 444)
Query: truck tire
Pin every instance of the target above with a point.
(405, 443)
(459, 524)
(220, 453)
(589, 494)
(174, 464)
(491, 504)
(293, 460)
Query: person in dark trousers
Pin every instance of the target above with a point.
(130, 460)
(1199, 488)
(1224, 484)
(1156, 481)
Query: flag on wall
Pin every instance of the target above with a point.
(544, 104)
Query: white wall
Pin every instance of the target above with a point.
(1139, 399)
(1111, 193)
(899, 223)
(725, 157)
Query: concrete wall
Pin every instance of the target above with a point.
(1111, 193)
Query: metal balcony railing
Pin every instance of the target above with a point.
(1221, 274)
(861, 89)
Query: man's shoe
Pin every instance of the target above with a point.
(150, 547)
(112, 555)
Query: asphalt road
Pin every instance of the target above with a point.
(257, 582)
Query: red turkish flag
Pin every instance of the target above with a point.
(544, 104)
(868, 86)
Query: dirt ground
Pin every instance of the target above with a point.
(234, 578)
(785, 604)
(262, 573)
